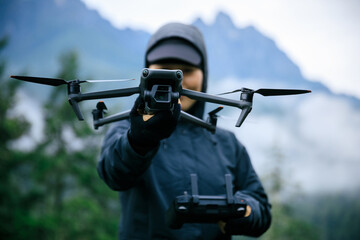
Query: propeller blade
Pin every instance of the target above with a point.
(111, 80)
(47, 81)
(237, 90)
(280, 92)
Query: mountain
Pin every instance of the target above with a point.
(246, 53)
(40, 31)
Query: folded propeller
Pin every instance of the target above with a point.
(58, 81)
(269, 91)
(73, 87)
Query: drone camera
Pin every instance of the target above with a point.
(160, 96)
(162, 93)
(160, 89)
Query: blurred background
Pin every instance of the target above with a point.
(305, 148)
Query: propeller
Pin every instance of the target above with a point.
(110, 80)
(73, 88)
(270, 91)
(58, 81)
(47, 81)
(247, 96)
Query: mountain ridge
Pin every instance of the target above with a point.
(40, 31)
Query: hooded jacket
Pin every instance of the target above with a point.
(149, 183)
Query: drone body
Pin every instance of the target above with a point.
(160, 89)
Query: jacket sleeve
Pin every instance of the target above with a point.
(120, 166)
(249, 187)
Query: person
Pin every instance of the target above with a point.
(149, 158)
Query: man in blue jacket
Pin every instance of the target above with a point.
(149, 159)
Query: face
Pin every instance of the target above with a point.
(192, 79)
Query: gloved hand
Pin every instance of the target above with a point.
(145, 133)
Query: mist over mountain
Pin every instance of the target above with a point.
(40, 31)
(246, 53)
(316, 133)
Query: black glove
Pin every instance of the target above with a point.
(146, 135)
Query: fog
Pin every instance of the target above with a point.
(317, 135)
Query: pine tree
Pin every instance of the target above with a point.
(53, 191)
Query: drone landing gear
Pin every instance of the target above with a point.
(98, 115)
(100, 120)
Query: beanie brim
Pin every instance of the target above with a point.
(175, 49)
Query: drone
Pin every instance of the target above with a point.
(160, 89)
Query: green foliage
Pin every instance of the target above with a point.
(300, 216)
(336, 215)
(285, 223)
(53, 191)
(11, 128)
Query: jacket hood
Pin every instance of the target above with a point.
(192, 35)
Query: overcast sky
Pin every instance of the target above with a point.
(321, 36)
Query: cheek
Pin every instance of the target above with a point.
(198, 86)
(193, 82)
(186, 103)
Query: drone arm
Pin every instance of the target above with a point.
(211, 98)
(123, 115)
(105, 94)
(113, 118)
(245, 105)
(74, 98)
(197, 121)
